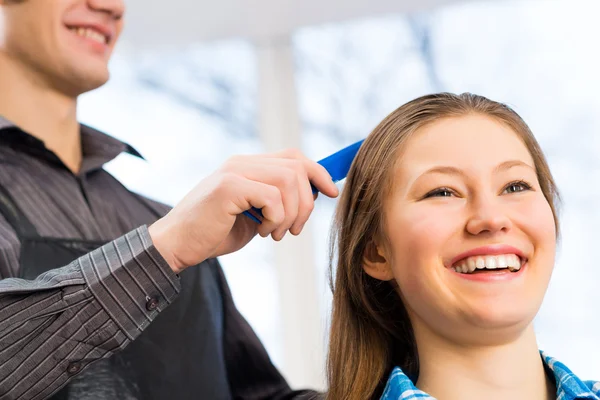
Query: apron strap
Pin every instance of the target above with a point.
(15, 216)
(147, 205)
(23, 226)
(141, 199)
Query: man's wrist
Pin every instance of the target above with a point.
(161, 241)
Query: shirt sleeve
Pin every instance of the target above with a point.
(51, 328)
(251, 374)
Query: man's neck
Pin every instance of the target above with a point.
(512, 370)
(40, 111)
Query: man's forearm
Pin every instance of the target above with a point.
(55, 326)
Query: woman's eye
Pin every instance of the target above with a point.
(442, 192)
(516, 187)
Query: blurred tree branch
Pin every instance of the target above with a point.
(420, 25)
(206, 92)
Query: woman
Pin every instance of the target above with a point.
(445, 239)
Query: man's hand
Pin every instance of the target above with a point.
(208, 223)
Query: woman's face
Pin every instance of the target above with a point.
(470, 236)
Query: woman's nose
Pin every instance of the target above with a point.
(488, 216)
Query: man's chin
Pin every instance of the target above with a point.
(80, 82)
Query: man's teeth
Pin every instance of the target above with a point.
(91, 34)
(470, 264)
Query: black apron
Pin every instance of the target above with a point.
(179, 355)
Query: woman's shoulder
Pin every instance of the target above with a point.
(400, 386)
(568, 382)
(594, 387)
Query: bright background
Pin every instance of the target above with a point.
(193, 84)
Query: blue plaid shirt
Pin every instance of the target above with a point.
(568, 385)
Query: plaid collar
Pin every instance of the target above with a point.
(568, 385)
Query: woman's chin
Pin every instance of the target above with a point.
(497, 321)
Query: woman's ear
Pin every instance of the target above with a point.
(376, 264)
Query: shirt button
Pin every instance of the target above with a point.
(151, 304)
(74, 368)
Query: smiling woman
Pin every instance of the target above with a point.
(445, 238)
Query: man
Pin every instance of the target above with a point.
(110, 308)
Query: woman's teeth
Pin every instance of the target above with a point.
(471, 264)
(90, 34)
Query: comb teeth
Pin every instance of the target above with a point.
(338, 164)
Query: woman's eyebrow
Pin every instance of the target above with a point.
(512, 163)
(448, 170)
(443, 169)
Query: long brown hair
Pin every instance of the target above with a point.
(370, 329)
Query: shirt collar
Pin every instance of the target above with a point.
(568, 385)
(98, 148)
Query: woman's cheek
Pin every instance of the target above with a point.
(536, 219)
(418, 239)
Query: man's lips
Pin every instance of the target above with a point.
(98, 32)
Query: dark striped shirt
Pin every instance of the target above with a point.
(98, 302)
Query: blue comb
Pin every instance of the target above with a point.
(338, 164)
